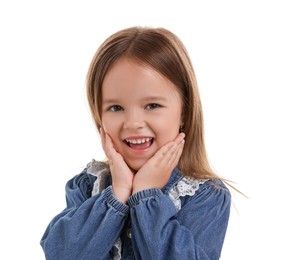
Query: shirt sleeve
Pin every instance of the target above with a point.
(88, 227)
(197, 231)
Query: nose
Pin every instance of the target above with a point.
(133, 120)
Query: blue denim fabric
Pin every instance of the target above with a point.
(149, 226)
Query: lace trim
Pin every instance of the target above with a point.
(186, 186)
(117, 249)
(101, 171)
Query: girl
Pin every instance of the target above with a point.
(156, 196)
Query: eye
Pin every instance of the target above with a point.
(115, 108)
(152, 106)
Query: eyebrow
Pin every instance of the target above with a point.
(156, 98)
(148, 98)
(110, 101)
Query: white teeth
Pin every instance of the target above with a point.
(138, 141)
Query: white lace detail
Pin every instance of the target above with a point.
(186, 186)
(101, 171)
(117, 249)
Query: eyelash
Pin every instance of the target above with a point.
(151, 106)
(115, 108)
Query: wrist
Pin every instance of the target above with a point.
(137, 189)
(122, 194)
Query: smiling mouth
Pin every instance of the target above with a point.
(139, 144)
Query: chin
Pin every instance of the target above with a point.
(135, 166)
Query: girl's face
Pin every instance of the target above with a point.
(141, 111)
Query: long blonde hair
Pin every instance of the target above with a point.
(162, 50)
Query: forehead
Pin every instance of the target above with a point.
(129, 77)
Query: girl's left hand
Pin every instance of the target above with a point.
(156, 172)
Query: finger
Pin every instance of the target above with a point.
(107, 144)
(176, 154)
(102, 134)
(165, 150)
(163, 156)
(105, 141)
(179, 138)
(171, 154)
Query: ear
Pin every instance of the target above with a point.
(181, 127)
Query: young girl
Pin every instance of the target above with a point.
(156, 196)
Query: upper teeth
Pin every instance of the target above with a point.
(138, 141)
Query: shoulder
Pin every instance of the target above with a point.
(213, 198)
(214, 187)
(212, 190)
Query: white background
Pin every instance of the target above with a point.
(47, 135)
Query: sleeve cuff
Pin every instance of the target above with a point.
(112, 201)
(144, 195)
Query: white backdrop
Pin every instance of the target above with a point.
(47, 135)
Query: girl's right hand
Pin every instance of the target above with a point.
(122, 176)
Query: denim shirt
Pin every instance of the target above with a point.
(154, 225)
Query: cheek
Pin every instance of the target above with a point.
(111, 126)
(167, 130)
(172, 120)
(106, 124)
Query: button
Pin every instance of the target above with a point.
(129, 233)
